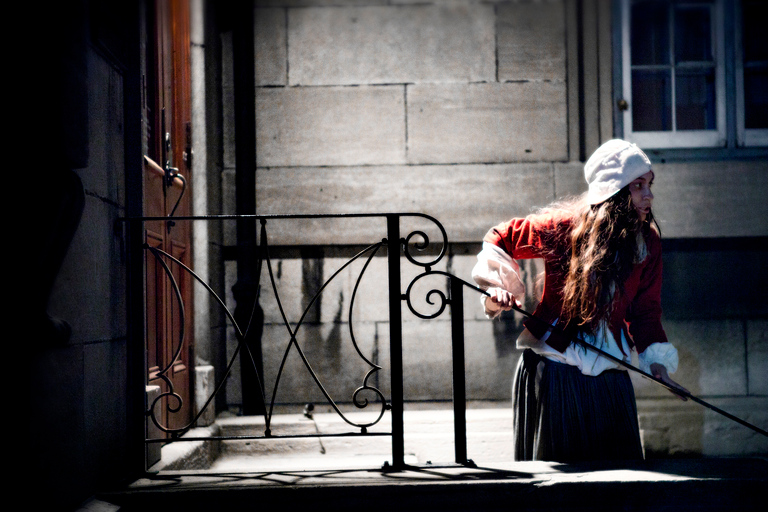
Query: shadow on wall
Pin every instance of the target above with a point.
(714, 290)
(715, 278)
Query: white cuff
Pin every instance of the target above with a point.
(662, 353)
(495, 267)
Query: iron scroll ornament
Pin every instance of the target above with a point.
(160, 255)
(405, 243)
(169, 394)
(444, 299)
(422, 246)
(174, 401)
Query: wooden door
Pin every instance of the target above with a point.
(167, 108)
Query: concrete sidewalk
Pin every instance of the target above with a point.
(428, 439)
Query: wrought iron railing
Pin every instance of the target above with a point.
(397, 247)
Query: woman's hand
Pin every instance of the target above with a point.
(660, 372)
(502, 298)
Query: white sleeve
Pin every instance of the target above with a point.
(662, 353)
(496, 269)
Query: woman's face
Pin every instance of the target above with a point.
(642, 197)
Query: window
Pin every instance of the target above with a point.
(752, 74)
(680, 88)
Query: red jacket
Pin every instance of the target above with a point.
(636, 311)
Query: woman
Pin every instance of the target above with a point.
(602, 257)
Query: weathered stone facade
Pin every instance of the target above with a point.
(466, 111)
(472, 112)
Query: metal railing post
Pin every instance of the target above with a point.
(459, 387)
(395, 339)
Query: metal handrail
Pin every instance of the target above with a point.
(397, 247)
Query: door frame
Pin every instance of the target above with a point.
(167, 110)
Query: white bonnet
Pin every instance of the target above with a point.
(613, 166)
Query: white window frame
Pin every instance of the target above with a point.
(675, 138)
(744, 137)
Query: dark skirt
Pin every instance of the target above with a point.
(566, 416)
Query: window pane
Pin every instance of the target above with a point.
(755, 37)
(652, 98)
(695, 99)
(650, 33)
(755, 45)
(756, 98)
(693, 35)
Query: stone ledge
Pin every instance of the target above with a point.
(672, 428)
(189, 455)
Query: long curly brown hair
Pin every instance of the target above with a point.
(605, 240)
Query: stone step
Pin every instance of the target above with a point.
(678, 484)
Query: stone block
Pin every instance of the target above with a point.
(487, 123)
(337, 282)
(373, 292)
(290, 288)
(201, 298)
(443, 42)
(152, 450)
(569, 180)
(320, 289)
(103, 375)
(674, 428)
(89, 290)
(712, 359)
(715, 278)
(670, 428)
(55, 421)
(228, 207)
(301, 277)
(227, 101)
(687, 207)
(95, 256)
(372, 297)
(469, 200)
(298, 279)
(104, 370)
(330, 353)
(205, 386)
(725, 437)
(270, 46)
(531, 41)
(427, 360)
(330, 126)
(757, 357)
(490, 362)
(104, 176)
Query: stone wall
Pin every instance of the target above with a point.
(76, 415)
(390, 106)
(459, 110)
